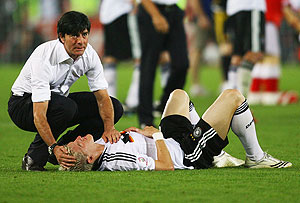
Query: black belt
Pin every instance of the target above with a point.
(13, 94)
(166, 7)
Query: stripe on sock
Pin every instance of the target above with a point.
(242, 108)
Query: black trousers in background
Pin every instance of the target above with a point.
(63, 112)
(152, 44)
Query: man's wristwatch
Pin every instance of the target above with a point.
(50, 148)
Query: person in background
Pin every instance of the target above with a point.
(247, 20)
(266, 75)
(201, 28)
(161, 28)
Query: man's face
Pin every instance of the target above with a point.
(75, 45)
(82, 144)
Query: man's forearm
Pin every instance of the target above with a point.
(44, 130)
(106, 110)
(164, 161)
(41, 123)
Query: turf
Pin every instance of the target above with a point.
(278, 129)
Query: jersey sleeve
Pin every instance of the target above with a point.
(145, 162)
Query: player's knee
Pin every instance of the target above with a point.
(179, 93)
(236, 60)
(234, 96)
(118, 109)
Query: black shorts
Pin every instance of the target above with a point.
(199, 144)
(248, 31)
(117, 39)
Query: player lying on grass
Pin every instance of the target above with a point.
(195, 141)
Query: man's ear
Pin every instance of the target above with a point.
(90, 159)
(62, 38)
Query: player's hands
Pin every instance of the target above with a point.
(160, 24)
(148, 131)
(63, 158)
(111, 135)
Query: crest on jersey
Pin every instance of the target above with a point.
(197, 132)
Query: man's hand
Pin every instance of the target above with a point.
(112, 136)
(63, 158)
(148, 131)
(160, 24)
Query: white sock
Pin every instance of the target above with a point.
(243, 80)
(132, 99)
(244, 77)
(164, 74)
(232, 77)
(110, 74)
(243, 126)
(194, 117)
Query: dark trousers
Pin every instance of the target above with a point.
(152, 44)
(63, 112)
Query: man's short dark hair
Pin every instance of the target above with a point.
(73, 23)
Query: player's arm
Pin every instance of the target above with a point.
(106, 111)
(203, 20)
(159, 21)
(42, 126)
(164, 161)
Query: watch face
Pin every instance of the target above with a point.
(50, 150)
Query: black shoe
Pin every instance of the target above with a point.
(28, 164)
(52, 159)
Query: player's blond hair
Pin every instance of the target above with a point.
(81, 161)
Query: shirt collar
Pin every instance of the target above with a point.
(62, 54)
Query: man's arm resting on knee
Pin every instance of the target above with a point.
(42, 126)
(164, 161)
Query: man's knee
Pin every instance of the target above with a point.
(179, 95)
(253, 57)
(62, 110)
(236, 60)
(233, 95)
(118, 109)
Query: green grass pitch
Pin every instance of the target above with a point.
(278, 130)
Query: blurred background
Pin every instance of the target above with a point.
(27, 23)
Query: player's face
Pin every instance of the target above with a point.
(75, 45)
(82, 144)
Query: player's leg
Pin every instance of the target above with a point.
(117, 48)
(177, 104)
(253, 45)
(231, 110)
(131, 101)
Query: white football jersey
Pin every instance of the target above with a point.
(137, 154)
(234, 6)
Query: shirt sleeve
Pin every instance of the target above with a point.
(40, 74)
(145, 162)
(95, 74)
